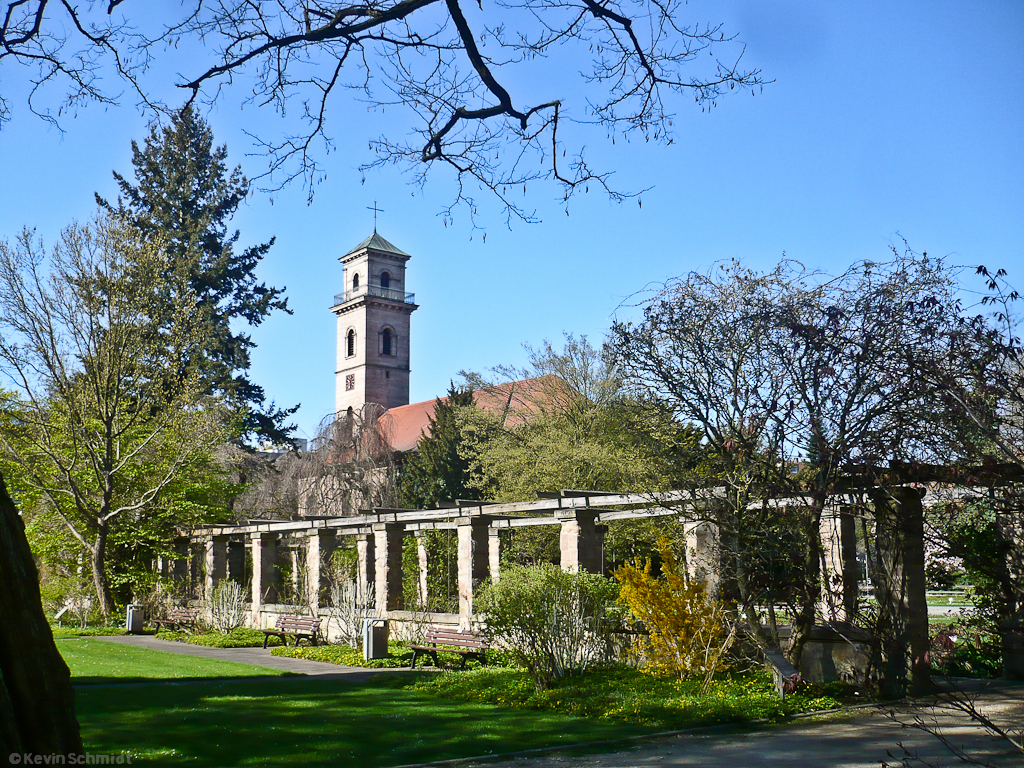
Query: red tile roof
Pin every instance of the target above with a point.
(403, 426)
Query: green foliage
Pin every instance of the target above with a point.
(242, 637)
(975, 534)
(628, 540)
(570, 424)
(65, 632)
(184, 194)
(345, 655)
(966, 648)
(552, 622)
(623, 694)
(594, 448)
(438, 472)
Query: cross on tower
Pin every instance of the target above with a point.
(375, 210)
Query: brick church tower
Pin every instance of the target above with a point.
(373, 327)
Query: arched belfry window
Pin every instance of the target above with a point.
(355, 282)
(387, 342)
(385, 280)
(350, 343)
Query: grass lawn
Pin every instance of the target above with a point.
(305, 721)
(97, 661)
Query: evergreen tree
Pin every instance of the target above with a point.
(184, 192)
(437, 472)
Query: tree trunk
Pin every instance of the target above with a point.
(99, 571)
(37, 702)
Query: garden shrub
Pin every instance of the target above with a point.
(550, 621)
(688, 633)
(965, 650)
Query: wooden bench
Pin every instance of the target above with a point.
(179, 618)
(465, 644)
(294, 626)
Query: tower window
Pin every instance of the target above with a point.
(387, 342)
(355, 282)
(350, 343)
(385, 280)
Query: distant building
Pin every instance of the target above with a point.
(374, 339)
(373, 314)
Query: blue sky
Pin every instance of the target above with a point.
(884, 120)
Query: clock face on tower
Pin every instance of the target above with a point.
(373, 327)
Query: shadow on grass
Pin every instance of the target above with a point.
(117, 680)
(302, 721)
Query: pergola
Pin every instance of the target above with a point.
(218, 552)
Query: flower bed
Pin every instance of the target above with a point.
(623, 694)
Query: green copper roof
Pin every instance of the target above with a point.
(378, 243)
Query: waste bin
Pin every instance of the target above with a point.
(134, 620)
(375, 639)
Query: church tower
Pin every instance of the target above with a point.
(373, 327)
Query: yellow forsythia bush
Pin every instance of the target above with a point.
(688, 632)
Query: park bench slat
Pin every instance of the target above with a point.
(465, 644)
(185, 618)
(294, 626)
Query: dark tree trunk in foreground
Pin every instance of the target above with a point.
(37, 703)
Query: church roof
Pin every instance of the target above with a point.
(404, 425)
(378, 243)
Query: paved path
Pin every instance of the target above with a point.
(256, 656)
(850, 739)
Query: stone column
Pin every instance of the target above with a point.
(264, 573)
(423, 560)
(365, 571)
(473, 563)
(899, 577)
(840, 569)
(581, 541)
(296, 566)
(494, 554)
(216, 549)
(703, 554)
(832, 607)
(851, 566)
(387, 547)
(320, 543)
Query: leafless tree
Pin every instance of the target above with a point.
(474, 81)
(349, 467)
(705, 351)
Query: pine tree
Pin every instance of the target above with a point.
(436, 472)
(184, 192)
